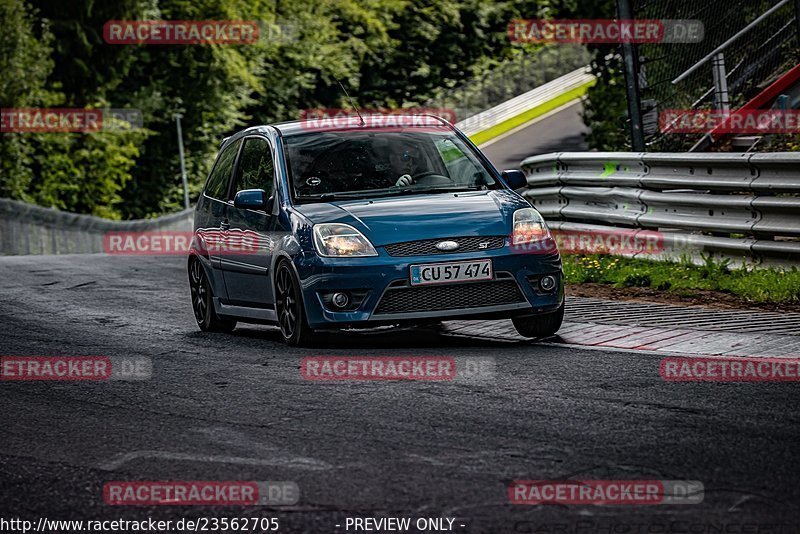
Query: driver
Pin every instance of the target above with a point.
(404, 159)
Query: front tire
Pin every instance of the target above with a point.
(543, 325)
(203, 301)
(290, 310)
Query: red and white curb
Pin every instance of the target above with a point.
(681, 341)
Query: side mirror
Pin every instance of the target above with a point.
(251, 199)
(515, 179)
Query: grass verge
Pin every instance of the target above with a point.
(759, 285)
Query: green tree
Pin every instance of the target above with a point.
(25, 63)
(82, 172)
(388, 52)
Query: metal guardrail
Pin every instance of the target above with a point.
(518, 105)
(742, 206)
(30, 229)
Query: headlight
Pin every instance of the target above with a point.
(529, 227)
(336, 240)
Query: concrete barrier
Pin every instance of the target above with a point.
(30, 229)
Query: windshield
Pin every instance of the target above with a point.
(364, 164)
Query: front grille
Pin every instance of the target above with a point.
(449, 297)
(428, 246)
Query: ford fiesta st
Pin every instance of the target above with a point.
(352, 225)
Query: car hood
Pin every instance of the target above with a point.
(413, 217)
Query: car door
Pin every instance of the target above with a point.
(212, 213)
(246, 266)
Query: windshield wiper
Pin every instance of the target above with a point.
(328, 196)
(344, 195)
(456, 189)
(347, 195)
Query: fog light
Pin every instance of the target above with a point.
(547, 283)
(340, 300)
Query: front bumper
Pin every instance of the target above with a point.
(383, 275)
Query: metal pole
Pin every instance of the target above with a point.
(721, 100)
(183, 162)
(797, 18)
(632, 82)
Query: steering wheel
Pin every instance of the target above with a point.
(430, 178)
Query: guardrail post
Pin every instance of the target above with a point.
(183, 162)
(721, 99)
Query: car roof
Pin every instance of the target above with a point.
(395, 122)
(353, 122)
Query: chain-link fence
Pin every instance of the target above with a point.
(751, 62)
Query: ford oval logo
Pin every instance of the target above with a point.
(446, 246)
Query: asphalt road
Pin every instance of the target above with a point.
(235, 407)
(560, 132)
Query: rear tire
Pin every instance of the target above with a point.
(543, 325)
(203, 301)
(290, 310)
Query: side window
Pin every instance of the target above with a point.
(255, 166)
(217, 186)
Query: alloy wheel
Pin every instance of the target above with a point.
(199, 289)
(287, 304)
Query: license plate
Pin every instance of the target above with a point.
(445, 273)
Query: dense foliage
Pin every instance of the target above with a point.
(390, 53)
(53, 54)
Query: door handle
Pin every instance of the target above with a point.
(225, 225)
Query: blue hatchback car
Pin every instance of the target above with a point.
(355, 225)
